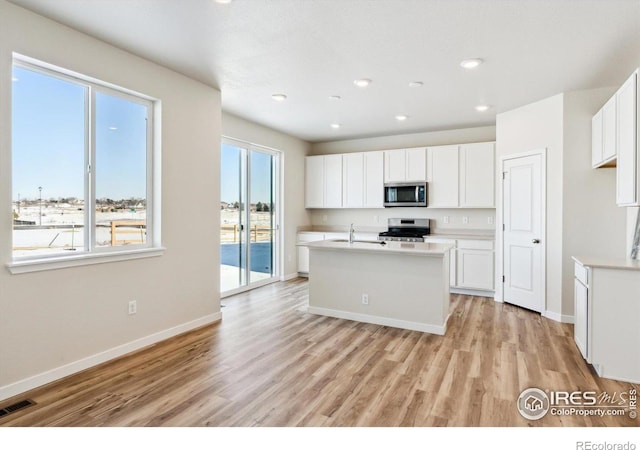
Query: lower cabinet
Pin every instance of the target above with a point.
(303, 251)
(606, 317)
(472, 264)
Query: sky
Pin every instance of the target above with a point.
(48, 140)
(260, 188)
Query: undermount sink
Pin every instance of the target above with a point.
(358, 241)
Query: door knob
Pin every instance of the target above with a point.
(535, 241)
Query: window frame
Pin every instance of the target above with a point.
(92, 253)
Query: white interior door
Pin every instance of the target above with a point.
(523, 246)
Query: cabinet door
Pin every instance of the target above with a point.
(609, 130)
(333, 181)
(374, 180)
(395, 165)
(303, 259)
(475, 269)
(353, 180)
(596, 139)
(416, 164)
(477, 175)
(626, 127)
(314, 182)
(581, 319)
(442, 167)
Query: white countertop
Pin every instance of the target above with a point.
(480, 237)
(608, 263)
(392, 247)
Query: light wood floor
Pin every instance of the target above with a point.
(269, 363)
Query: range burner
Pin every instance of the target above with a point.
(407, 230)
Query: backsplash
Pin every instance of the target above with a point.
(476, 219)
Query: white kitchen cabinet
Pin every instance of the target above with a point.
(461, 176)
(303, 251)
(373, 180)
(442, 167)
(353, 180)
(628, 165)
(475, 264)
(323, 181)
(405, 165)
(477, 175)
(606, 316)
(581, 309)
(609, 131)
(596, 139)
(363, 180)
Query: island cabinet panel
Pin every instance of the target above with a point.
(394, 285)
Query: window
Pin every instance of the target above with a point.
(82, 165)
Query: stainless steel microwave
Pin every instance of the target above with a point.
(405, 194)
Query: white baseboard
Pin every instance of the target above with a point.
(562, 318)
(43, 378)
(291, 276)
(473, 292)
(389, 322)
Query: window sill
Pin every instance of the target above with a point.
(37, 265)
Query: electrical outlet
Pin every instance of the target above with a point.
(133, 307)
(365, 299)
(376, 219)
(324, 218)
(289, 257)
(465, 219)
(446, 219)
(490, 220)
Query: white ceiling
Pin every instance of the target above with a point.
(311, 49)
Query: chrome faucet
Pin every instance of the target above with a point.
(351, 232)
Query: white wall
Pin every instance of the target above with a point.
(52, 320)
(537, 126)
(293, 151)
(377, 218)
(461, 136)
(593, 225)
(582, 217)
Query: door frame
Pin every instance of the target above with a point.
(279, 215)
(499, 293)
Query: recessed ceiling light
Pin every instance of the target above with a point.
(279, 97)
(224, 2)
(482, 108)
(416, 84)
(335, 126)
(401, 117)
(471, 63)
(335, 97)
(362, 82)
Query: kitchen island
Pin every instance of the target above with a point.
(398, 284)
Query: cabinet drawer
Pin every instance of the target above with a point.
(475, 244)
(581, 273)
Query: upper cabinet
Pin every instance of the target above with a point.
(627, 126)
(461, 176)
(362, 180)
(405, 165)
(477, 175)
(603, 136)
(323, 181)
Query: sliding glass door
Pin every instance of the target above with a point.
(248, 216)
